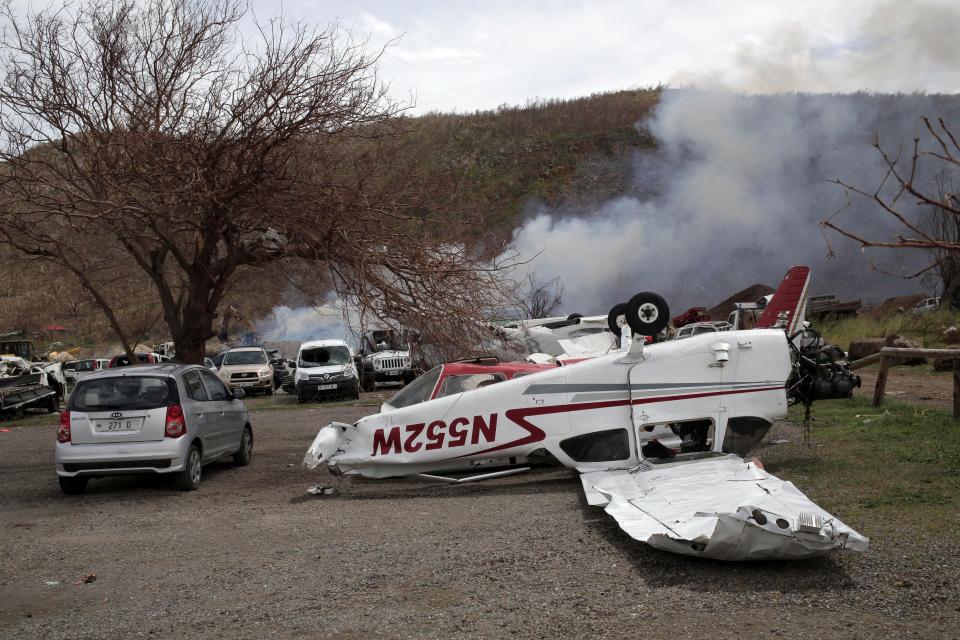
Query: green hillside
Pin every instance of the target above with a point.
(557, 151)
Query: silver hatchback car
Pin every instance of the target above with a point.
(161, 418)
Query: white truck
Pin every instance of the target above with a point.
(384, 358)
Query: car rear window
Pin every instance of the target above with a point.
(119, 393)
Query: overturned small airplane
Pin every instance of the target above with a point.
(657, 431)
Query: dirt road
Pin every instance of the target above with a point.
(251, 555)
(912, 384)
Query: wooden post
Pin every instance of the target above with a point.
(956, 389)
(882, 380)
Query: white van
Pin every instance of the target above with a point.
(326, 369)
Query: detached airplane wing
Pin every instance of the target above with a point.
(790, 298)
(725, 509)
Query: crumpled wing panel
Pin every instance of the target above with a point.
(722, 508)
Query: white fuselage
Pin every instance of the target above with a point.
(712, 377)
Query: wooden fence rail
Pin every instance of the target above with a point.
(888, 354)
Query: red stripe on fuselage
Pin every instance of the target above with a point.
(536, 434)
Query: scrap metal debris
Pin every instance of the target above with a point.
(318, 490)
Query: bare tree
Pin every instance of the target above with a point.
(542, 298)
(150, 135)
(916, 195)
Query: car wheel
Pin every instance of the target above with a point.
(189, 478)
(242, 457)
(300, 398)
(73, 486)
(53, 404)
(270, 391)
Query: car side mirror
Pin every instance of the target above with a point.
(239, 394)
(293, 365)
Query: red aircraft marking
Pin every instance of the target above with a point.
(536, 434)
(787, 298)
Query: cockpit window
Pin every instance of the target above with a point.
(417, 391)
(599, 446)
(469, 382)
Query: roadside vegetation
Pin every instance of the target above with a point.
(879, 468)
(927, 329)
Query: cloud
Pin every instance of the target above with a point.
(465, 57)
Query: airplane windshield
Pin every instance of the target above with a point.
(417, 391)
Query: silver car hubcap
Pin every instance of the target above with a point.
(247, 445)
(195, 467)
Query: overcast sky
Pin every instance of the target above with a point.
(466, 55)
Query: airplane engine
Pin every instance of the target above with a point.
(820, 372)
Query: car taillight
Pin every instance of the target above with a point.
(63, 432)
(175, 425)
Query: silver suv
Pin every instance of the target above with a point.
(163, 419)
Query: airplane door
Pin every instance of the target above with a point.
(676, 391)
(755, 377)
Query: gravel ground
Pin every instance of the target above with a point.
(251, 555)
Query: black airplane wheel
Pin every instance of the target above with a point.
(616, 318)
(647, 313)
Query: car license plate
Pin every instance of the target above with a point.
(123, 424)
(326, 387)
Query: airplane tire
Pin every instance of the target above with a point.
(617, 311)
(647, 313)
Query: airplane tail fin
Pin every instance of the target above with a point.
(788, 306)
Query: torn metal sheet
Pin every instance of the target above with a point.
(721, 507)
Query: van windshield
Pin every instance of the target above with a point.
(119, 393)
(324, 356)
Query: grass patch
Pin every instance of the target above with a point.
(926, 328)
(32, 420)
(899, 463)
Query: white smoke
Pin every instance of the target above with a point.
(300, 324)
(732, 197)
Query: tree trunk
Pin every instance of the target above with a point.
(950, 272)
(190, 347)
